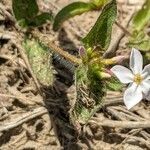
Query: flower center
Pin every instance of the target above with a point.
(138, 79)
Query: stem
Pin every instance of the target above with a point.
(43, 39)
(123, 29)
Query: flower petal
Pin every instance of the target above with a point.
(132, 95)
(145, 86)
(122, 73)
(136, 61)
(146, 72)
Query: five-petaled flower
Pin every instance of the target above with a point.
(138, 79)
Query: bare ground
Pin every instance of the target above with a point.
(29, 121)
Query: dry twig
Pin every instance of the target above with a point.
(132, 138)
(123, 28)
(6, 13)
(121, 124)
(24, 118)
(24, 100)
(6, 36)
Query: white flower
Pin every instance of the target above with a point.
(138, 78)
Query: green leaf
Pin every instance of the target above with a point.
(142, 17)
(99, 3)
(114, 84)
(39, 58)
(23, 23)
(24, 9)
(27, 13)
(147, 55)
(140, 40)
(100, 34)
(69, 11)
(40, 19)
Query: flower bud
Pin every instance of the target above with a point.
(82, 51)
(114, 60)
(118, 59)
(109, 72)
(105, 75)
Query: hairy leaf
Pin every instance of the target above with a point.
(142, 17)
(100, 34)
(24, 9)
(90, 91)
(69, 11)
(39, 58)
